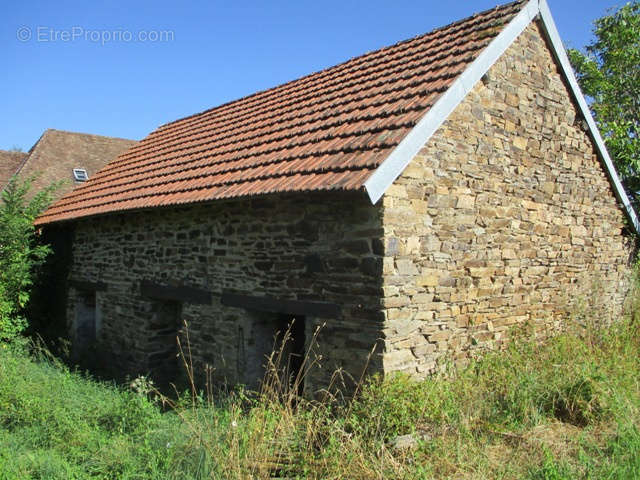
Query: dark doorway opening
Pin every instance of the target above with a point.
(164, 360)
(295, 349)
(85, 327)
(272, 349)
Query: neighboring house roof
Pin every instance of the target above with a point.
(57, 153)
(9, 163)
(349, 127)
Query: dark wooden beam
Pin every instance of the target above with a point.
(88, 286)
(181, 293)
(276, 305)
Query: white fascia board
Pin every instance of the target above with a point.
(562, 58)
(397, 161)
(400, 157)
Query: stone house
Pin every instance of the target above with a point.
(423, 199)
(60, 156)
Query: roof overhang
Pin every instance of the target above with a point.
(396, 162)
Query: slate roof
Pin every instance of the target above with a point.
(54, 156)
(9, 163)
(326, 131)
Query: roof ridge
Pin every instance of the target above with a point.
(380, 70)
(68, 132)
(272, 119)
(14, 152)
(349, 60)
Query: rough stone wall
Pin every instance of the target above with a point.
(312, 247)
(505, 216)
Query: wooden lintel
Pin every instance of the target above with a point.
(181, 293)
(87, 285)
(276, 305)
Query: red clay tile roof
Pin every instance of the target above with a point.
(54, 156)
(9, 163)
(325, 131)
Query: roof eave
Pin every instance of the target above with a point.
(397, 161)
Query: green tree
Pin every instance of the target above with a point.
(609, 73)
(20, 252)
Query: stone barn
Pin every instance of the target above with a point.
(423, 199)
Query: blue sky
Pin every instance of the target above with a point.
(123, 68)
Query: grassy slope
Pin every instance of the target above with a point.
(569, 409)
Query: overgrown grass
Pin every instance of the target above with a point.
(567, 409)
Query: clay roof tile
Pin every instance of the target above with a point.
(325, 131)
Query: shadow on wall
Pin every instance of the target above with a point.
(47, 307)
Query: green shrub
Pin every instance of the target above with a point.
(20, 253)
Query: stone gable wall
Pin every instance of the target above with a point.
(505, 216)
(313, 247)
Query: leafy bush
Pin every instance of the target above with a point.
(20, 253)
(608, 73)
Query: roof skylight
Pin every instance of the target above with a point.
(80, 175)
